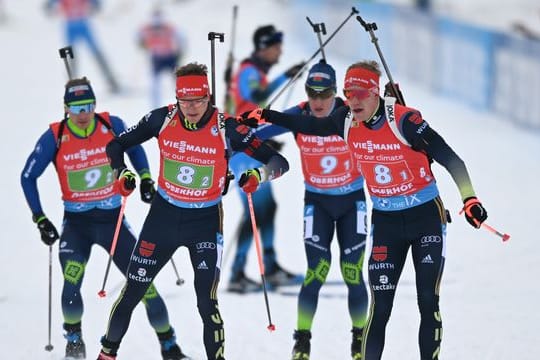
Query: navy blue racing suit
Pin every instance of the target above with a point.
(399, 222)
(172, 223)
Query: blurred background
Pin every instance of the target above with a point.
(473, 69)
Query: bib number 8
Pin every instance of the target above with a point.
(382, 174)
(185, 175)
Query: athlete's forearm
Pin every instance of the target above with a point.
(441, 152)
(304, 124)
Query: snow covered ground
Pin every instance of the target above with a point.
(488, 302)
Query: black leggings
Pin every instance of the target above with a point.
(166, 228)
(423, 229)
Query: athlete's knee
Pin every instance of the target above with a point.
(428, 302)
(209, 312)
(317, 275)
(74, 271)
(150, 294)
(352, 272)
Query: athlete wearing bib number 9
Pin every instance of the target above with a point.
(76, 146)
(194, 142)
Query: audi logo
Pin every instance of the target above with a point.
(430, 239)
(205, 245)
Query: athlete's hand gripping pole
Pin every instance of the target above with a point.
(475, 218)
(102, 292)
(271, 326)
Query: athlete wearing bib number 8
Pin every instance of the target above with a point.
(76, 146)
(394, 146)
(194, 141)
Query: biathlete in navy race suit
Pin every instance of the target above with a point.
(407, 209)
(334, 202)
(91, 205)
(194, 141)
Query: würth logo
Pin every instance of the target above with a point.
(379, 253)
(146, 249)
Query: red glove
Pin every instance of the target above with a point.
(474, 211)
(126, 182)
(250, 180)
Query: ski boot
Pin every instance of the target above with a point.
(302, 346)
(75, 347)
(277, 276)
(109, 349)
(104, 356)
(169, 348)
(356, 344)
(241, 284)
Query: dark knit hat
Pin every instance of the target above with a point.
(266, 36)
(79, 92)
(321, 76)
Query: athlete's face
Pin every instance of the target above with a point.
(194, 108)
(362, 104)
(321, 103)
(81, 115)
(271, 54)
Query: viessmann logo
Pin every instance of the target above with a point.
(83, 154)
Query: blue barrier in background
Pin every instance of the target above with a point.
(486, 69)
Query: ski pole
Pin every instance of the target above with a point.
(318, 29)
(66, 52)
(503, 236)
(102, 292)
(179, 280)
(370, 28)
(230, 59)
(299, 73)
(212, 36)
(270, 326)
(49, 346)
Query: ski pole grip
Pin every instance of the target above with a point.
(65, 52)
(214, 35)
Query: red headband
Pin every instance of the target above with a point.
(361, 78)
(191, 85)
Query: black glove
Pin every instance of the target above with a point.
(389, 91)
(46, 228)
(147, 190)
(293, 70)
(474, 211)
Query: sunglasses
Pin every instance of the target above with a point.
(357, 93)
(193, 102)
(80, 108)
(323, 94)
